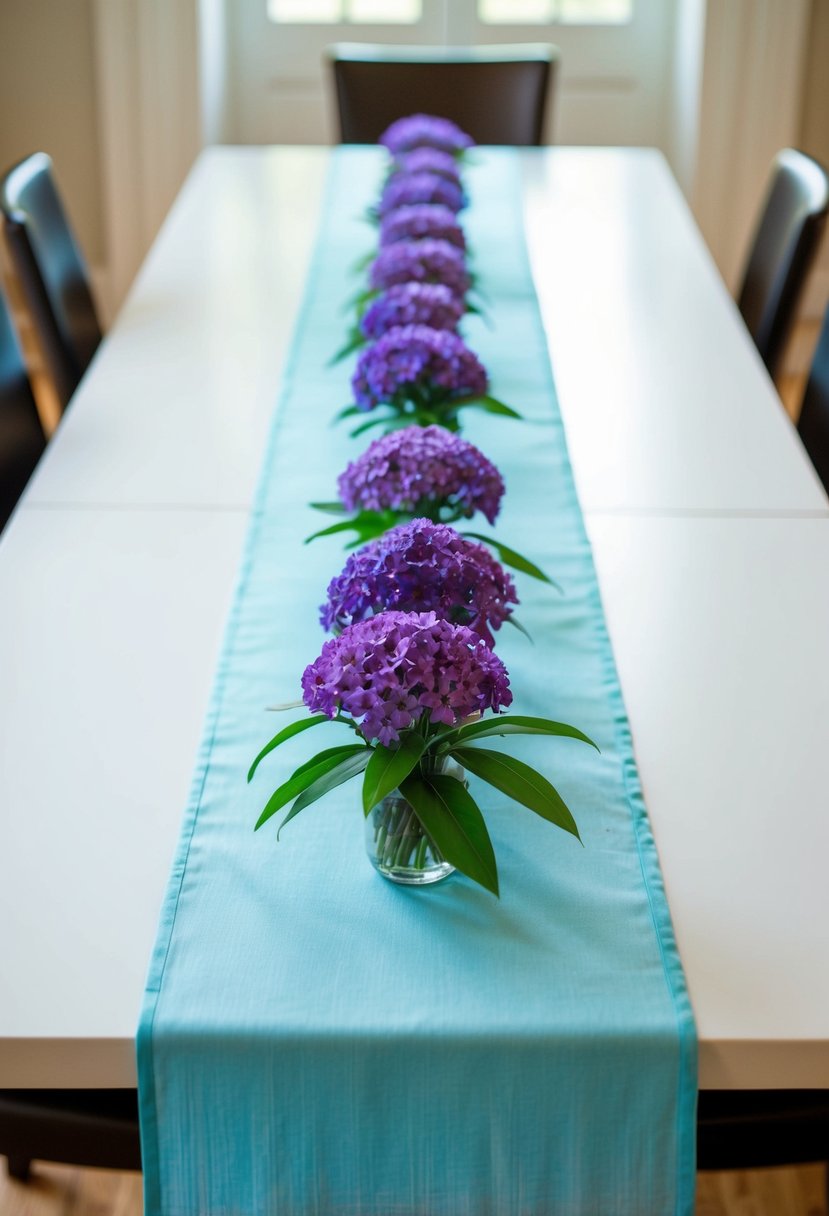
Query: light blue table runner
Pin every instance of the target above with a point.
(316, 1041)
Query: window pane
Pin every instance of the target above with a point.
(539, 12)
(383, 12)
(515, 12)
(595, 12)
(304, 11)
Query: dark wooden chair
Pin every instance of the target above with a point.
(51, 270)
(756, 1129)
(813, 424)
(498, 94)
(744, 1129)
(90, 1127)
(21, 435)
(783, 251)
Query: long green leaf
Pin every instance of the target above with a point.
(450, 815)
(387, 768)
(396, 422)
(366, 426)
(366, 525)
(349, 767)
(515, 560)
(330, 508)
(354, 343)
(363, 262)
(287, 732)
(331, 530)
(343, 751)
(510, 724)
(359, 298)
(491, 404)
(519, 781)
(516, 624)
(296, 784)
(348, 411)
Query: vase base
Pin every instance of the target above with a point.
(410, 876)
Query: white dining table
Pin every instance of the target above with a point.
(711, 539)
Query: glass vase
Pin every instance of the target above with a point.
(398, 846)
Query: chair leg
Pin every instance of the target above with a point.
(18, 1167)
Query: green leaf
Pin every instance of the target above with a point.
(387, 768)
(287, 733)
(363, 262)
(354, 343)
(519, 781)
(366, 426)
(344, 526)
(450, 815)
(396, 422)
(359, 298)
(491, 404)
(511, 724)
(348, 411)
(366, 524)
(513, 620)
(330, 508)
(347, 768)
(342, 752)
(515, 560)
(296, 784)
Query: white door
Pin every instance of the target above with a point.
(611, 89)
(613, 75)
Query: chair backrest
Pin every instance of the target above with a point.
(813, 424)
(51, 270)
(783, 251)
(497, 94)
(21, 435)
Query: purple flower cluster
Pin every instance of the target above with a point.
(414, 359)
(407, 189)
(386, 671)
(428, 160)
(430, 304)
(422, 468)
(424, 131)
(419, 222)
(427, 261)
(422, 567)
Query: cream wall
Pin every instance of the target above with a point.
(123, 92)
(48, 102)
(814, 127)
(814, 139)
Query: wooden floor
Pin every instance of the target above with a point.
(61, 1191)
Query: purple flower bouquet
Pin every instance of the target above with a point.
(427, 261)
(414, 688)
(425, 472)
(410, 189)
(419, 223)
(421, 375)
(422, 261)
(425, 131)
(426, 567)
(427, 160)
(410, 303)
